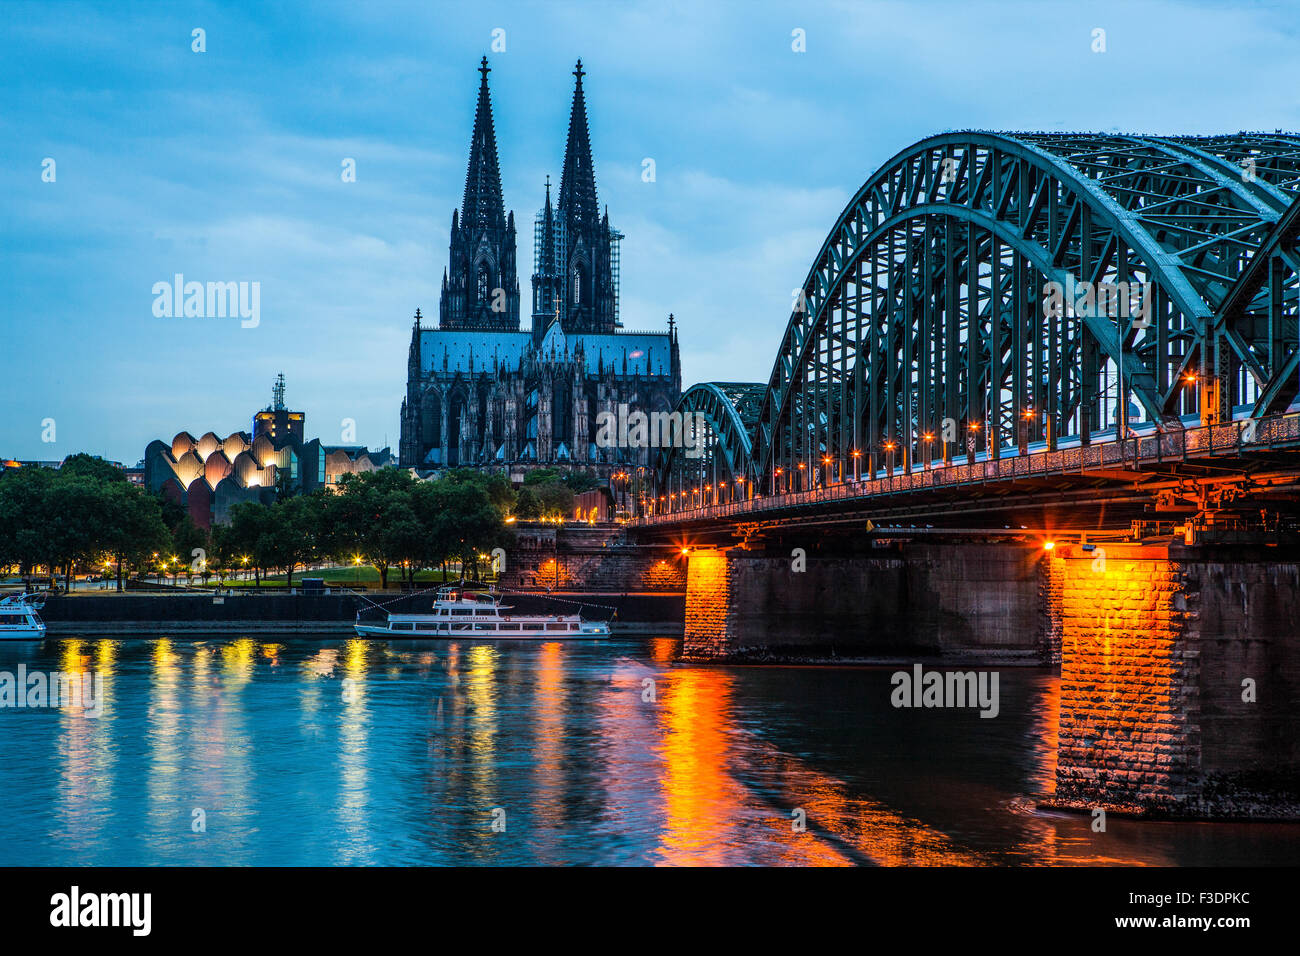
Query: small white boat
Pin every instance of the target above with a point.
(463, 614)
(19, 620)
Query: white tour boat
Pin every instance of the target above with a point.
(462, 613)
(19, 620)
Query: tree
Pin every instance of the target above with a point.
(496, 485)
(191, 544)
(580, 481)
(288, 538)
(556, 500)
(25, 500)
(463, 522)
(77, 525)
(248, 521)
(365, 519)
(96, 469)
(135, 531)
(528, 506)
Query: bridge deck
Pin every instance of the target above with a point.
(1128, 472)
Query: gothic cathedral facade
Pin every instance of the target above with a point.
(482, 391)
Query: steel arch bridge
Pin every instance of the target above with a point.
(984, 291)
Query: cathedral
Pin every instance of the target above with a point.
(481, 390)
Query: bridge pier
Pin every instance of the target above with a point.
(1180, 673)
(970, 602)
(1180, 681)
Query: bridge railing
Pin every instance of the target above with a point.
(1227, 439)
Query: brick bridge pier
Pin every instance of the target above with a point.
(1180, 673)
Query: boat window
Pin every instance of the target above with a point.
(403, 626)
(557, 627)
(532, 627)
(461, 625)
(426, 627)
(459, 611)
(485, 626)
(488, 613)
(507, 627)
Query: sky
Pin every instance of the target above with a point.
(226, 165)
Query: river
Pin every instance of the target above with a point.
(322, 751)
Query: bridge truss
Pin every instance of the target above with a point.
(985, 291)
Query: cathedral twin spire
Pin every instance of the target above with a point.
(574, 282)
(483, 204)
(480, 289)
(578, 180)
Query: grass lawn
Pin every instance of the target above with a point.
(342, 577)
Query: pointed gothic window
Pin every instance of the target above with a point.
(484, 281)
(577, 285)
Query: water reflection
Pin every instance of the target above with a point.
(321, 752)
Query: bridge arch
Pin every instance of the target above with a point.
(924, 328)
(718, 419)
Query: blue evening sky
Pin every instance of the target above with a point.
(225, 166)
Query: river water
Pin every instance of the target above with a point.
(321, 751)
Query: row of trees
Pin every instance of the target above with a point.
(386, 519)
(85, 515)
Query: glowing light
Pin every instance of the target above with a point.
(1049, 545)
